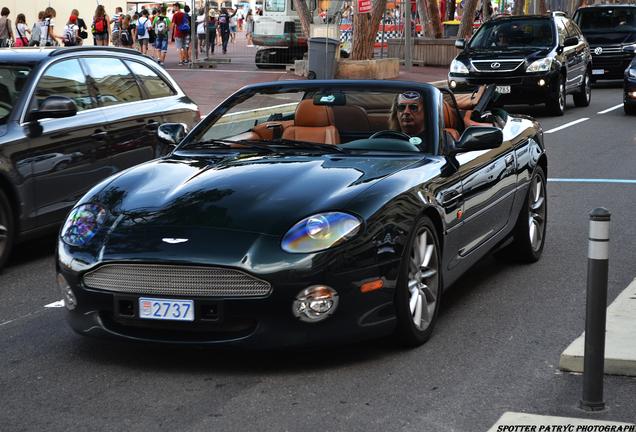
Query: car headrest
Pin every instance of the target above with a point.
(310, 115)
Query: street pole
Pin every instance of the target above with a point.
(595, 311)
(408, 48)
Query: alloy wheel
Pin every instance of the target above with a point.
(562, 97)
(588, 88)
(423, 281)
(536, 214)
(4, 230)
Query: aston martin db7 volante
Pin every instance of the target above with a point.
(304, 213)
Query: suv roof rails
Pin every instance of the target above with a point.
(560, 13)
(64, 50)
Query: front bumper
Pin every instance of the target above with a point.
(524, 89)
(612, 67)
(629, 91)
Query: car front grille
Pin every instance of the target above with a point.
(177, 280)
(607, 50)
(496, 65)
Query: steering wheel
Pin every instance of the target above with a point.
(390, 134)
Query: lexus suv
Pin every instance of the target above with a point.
(608, 29)
(531, 59)
(69, 118)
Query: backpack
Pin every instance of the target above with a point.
(70, 36)
(161, 28)
(184, 27)
(124, 37)
(141, 27)
(100, 25)
(35, 32)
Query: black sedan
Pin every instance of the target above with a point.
(629, 89)
(305, 212)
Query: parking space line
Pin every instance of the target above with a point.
(610, 109)
(591, 180)
(57, 304)
(567, 125)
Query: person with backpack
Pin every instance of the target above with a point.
(21, 30)
(71, 32)
(181, 33)
(125, 33)
(100, 27)
(116, 21)
(82, 28)
(224, 27)
(161, 25)
(143, 32)
(35, 30)
(47, 29)
(6, 34)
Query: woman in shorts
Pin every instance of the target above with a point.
(101, 28)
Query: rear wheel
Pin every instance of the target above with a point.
(7, 228)
(629, 109)
(419, 289)
(556, 104)
(584, 96)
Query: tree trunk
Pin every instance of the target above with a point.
(485, 11)
(543, 8)
(365, 28)
(303, 15)
(425, 21)
(468, 18)
(520, 6)
(432, 9)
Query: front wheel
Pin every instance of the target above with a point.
(7, 228)
(556, 105)
(584, 96)
(419, 289)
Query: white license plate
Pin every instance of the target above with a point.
(166, 309)
(598, 71)
(503, 89)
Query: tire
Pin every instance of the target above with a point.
(629, 109)
(529, 231)
(556, 104)
(584, 96)
(7, 229)
(425, 282)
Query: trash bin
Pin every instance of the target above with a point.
(322, 58)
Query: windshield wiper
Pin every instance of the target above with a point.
(308, 145)
(221, 143)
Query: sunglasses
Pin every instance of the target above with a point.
(412, 107)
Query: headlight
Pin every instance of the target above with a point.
(458, 67)
(82, 224)
(632, 72)
(320, 231)
(542, 65)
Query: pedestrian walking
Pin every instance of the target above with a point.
(21, 30)
(161, 25)
(100, 27)
(233, 26)
(116, 21)
(249, 28)
(201, 31)
(152, 35)
(143, 32)
(212, 31)
(47, 28)
(36, 30)
(71, 30)
(81, 25)
(6, 34)
(125, 33)
(224, 27)
(181, 33)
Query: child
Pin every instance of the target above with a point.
(71, 31)
(21, 29)
(125, 35)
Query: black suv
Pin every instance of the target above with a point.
(70, 117)
(531, 59)
(608, 29)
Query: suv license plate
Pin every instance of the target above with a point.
(503, 89)
(166, 309)
(598, 71)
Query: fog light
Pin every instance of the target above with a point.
(541, 82)
(315, 303)
(632, 94)
(67, 293)
(453, 84)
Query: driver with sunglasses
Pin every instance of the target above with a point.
(409, 110)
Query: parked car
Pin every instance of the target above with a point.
(531, 59)
(629, 88)
(299, 213)
(608, 29)
(69, 118)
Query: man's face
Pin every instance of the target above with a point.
(410, 113)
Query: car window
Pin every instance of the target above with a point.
(65, 78)
(115, 84)
(607, 20)
(510, 34)
(571, 28)
(155, 86)
(561, 30)
(12, 79)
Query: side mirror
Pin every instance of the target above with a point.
(171, 133)
(460, 44)
(631, 49)
(478, 138)
(54, 107)
(571, 41)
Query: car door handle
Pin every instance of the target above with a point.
(449, 197)
(99, 135)
(509, 160)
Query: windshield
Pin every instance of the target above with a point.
(514, 34)
(12, 80)
(321, 119)
(605, 20)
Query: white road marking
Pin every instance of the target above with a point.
(590, 180)
(610, 109)
(57, 304)
(567, 125)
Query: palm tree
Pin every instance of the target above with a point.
(304, 15)
(468, 18)
(365, 28)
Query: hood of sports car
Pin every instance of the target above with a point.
(263, 194)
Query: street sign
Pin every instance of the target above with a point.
(364, 6)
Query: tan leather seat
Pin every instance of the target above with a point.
(313, 123)
(452, 122)
(351, 118)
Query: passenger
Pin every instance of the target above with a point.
(407, 114)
